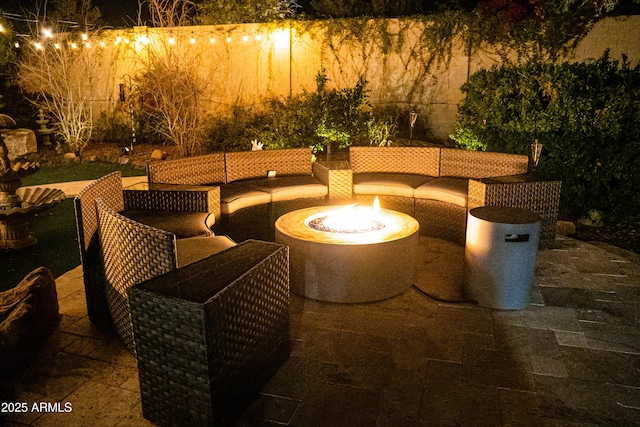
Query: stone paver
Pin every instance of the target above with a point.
(570, 358)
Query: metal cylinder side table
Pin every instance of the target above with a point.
(500, 252)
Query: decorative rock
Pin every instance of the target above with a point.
(70, 156)
(29, 314)
(565, 228)
(123, 160)
(158, 155)
(593, 218)
(20, 142)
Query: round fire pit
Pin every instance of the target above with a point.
(352, 264)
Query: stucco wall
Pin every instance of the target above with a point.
(261, 61)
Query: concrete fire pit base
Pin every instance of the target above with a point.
(349, 267)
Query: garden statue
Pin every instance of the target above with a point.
(19, 205)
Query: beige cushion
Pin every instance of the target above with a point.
(446, 189)
(234, 197)
(182, 224)
(388, 184)
(194, 249)
(289, 187)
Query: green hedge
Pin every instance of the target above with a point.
(587, 115)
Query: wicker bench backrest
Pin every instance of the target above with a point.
(197, 170)
(413, 160)
(480, 164)
(109, 189)
(132, 253)
(256, 164)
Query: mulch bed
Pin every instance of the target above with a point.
(625, 236)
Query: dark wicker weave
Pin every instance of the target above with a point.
(211, 334)
(109, 189)
(394, 203)
(256, 164)
(197, 170)
(174, 198)
(132, 252)
(541, 197)
(442, 220)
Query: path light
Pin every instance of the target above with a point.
(536, 150)
(413, 116)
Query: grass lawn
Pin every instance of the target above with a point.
(55, 229)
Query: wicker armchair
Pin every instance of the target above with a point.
(211, 334)
(184, 203)
(133, 252)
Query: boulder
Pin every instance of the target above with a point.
(566, 228)
(20, 142)
(158, 155)
(28, 315)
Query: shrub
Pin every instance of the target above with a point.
(319, 119)
(587, 115)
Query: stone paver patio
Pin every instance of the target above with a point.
(571, 358)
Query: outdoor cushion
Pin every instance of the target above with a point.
(445, 189)
(388, 184)
(289, 187)
(182, 224)
(234, 197)
(196, 248)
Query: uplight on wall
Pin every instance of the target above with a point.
(280, 38)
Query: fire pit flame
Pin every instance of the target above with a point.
(349, 219)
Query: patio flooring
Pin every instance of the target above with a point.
(571, 358)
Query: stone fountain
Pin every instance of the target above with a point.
(19, 205)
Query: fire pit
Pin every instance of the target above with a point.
(349, 253)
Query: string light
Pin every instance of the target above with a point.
(279, 37)
(1, 29)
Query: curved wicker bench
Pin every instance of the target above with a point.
(439, 185)
(430, 183)
(133, 252)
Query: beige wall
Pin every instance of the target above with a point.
(274, 61)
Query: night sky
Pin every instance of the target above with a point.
(115, 13)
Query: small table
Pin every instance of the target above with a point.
(339, 177)
(527, 191)
(349, 267)
(500, 254)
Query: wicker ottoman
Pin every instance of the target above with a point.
(211, 334)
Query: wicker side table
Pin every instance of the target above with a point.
(338, 176)
(174, 197)
(210, 335)
(521, 191)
